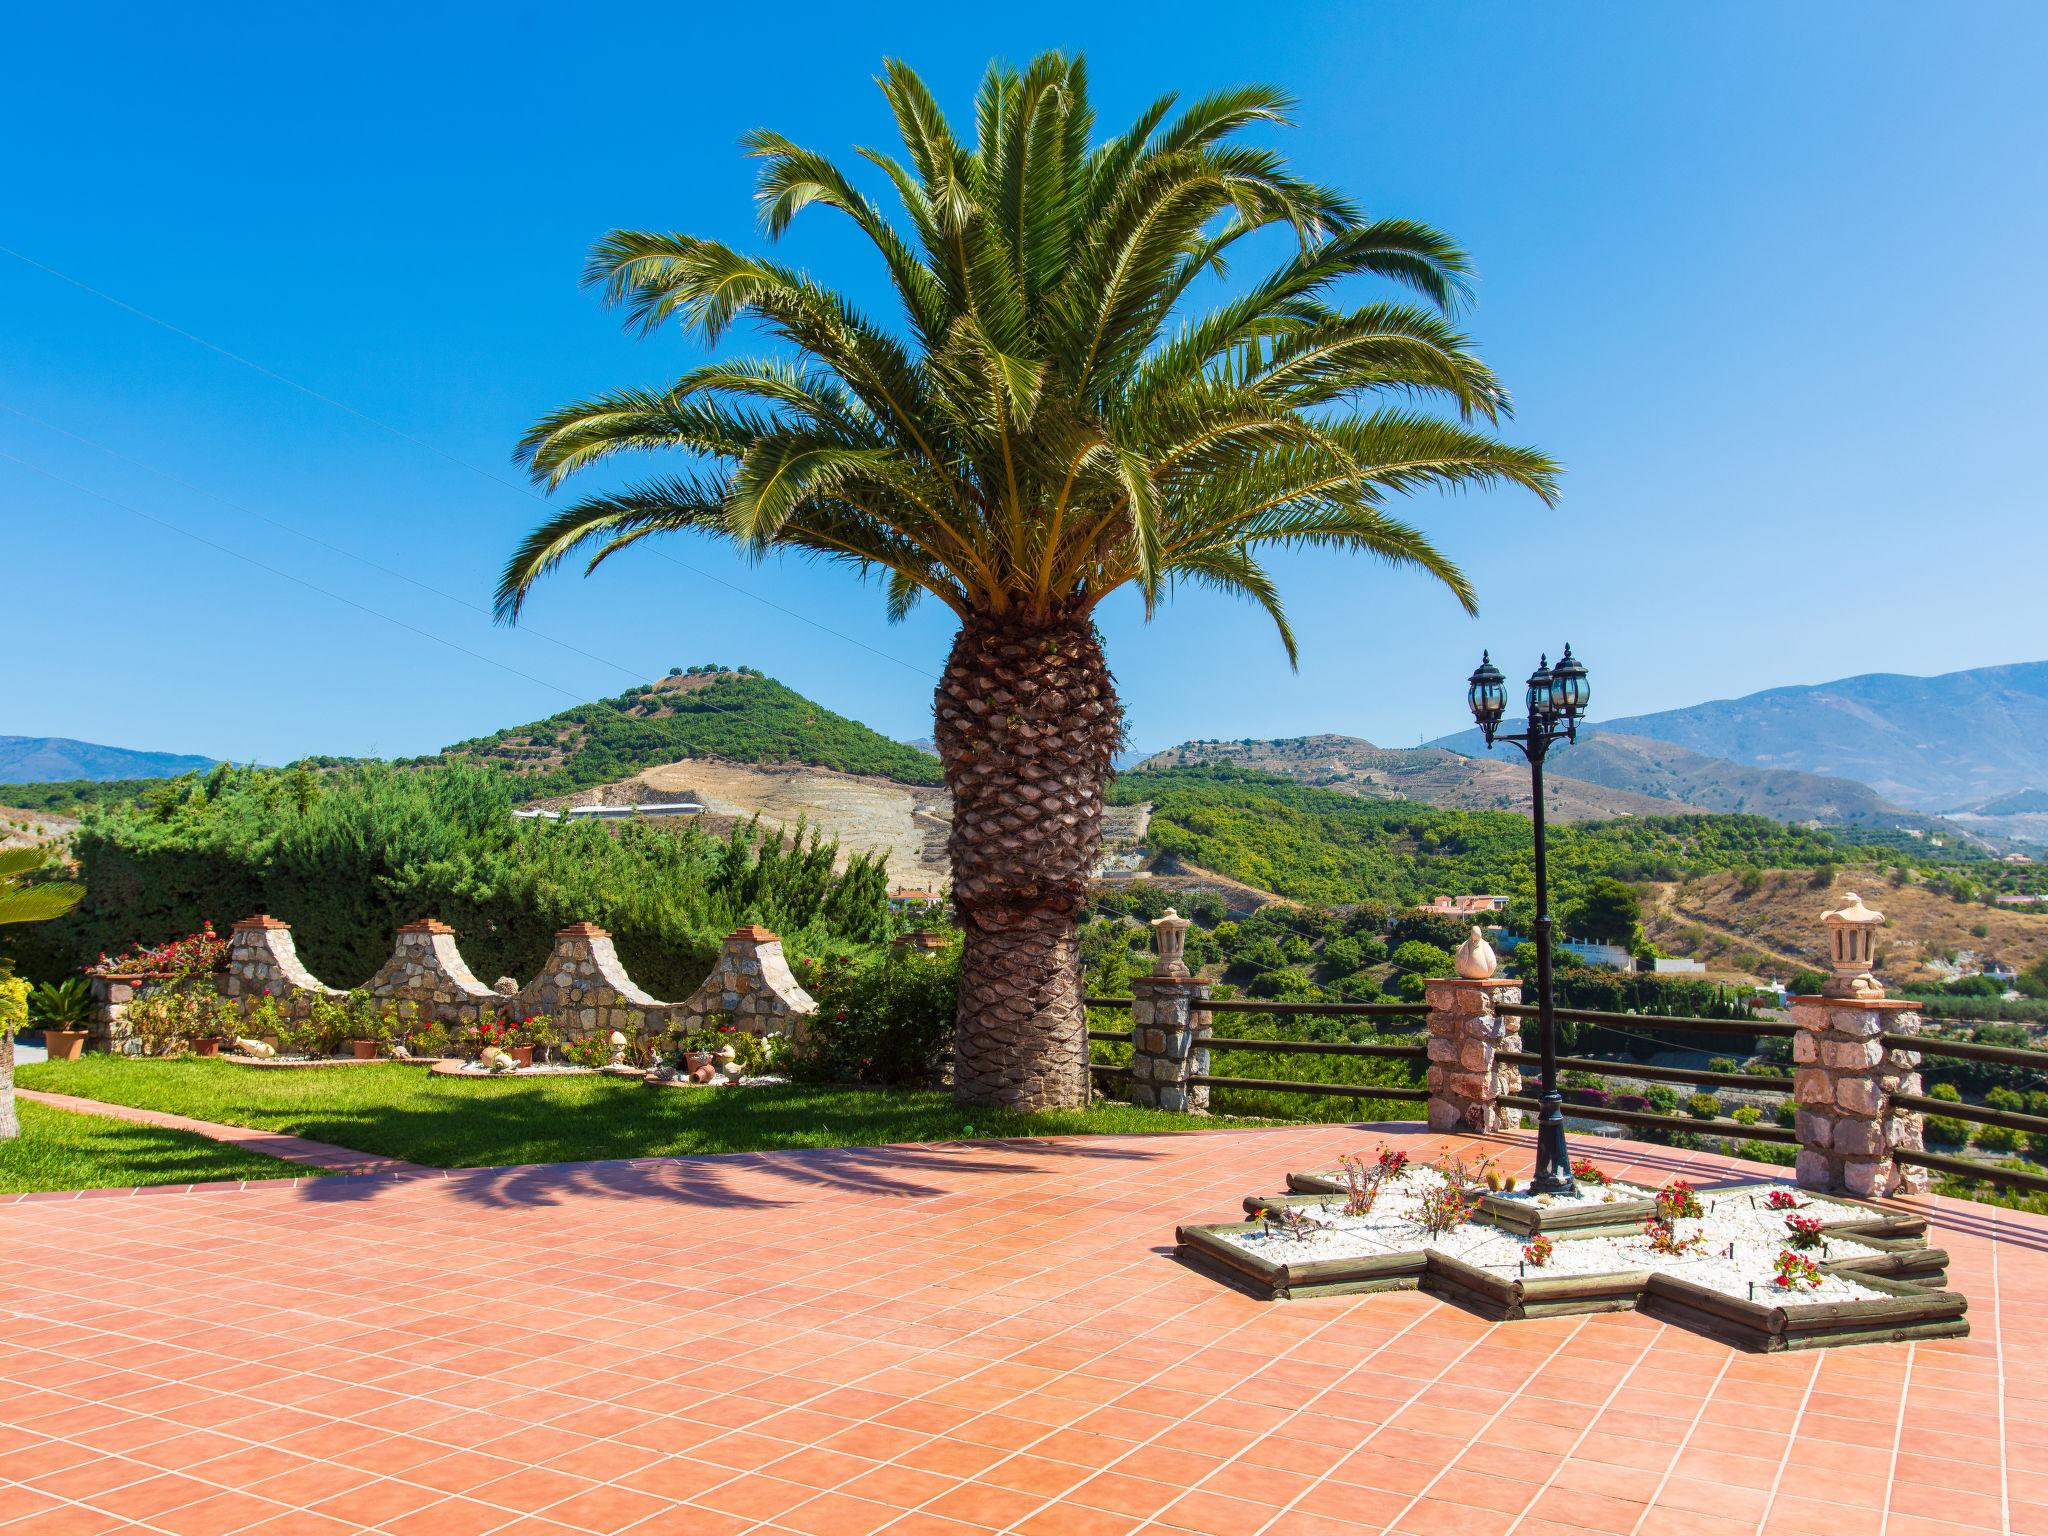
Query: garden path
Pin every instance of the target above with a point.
(289, 1149)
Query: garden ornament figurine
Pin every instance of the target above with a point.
(1476, 960)
(1170, 936)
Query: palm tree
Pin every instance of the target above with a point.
(1059, 410)
(21, 902)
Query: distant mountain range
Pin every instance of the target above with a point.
(1667, 771)
(40, 759)
(1960, 741)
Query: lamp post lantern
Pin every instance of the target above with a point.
(1556, 699)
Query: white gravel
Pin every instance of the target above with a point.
(1589, 1196)
(1756, 1233)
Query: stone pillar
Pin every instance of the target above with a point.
(107, 1028)
(1843, 1082)
(427, 968)
(1466, 1033)
(1169, 1042)
(585, 989)
(752, 981)
(263, 961)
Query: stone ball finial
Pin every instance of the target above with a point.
(1170, 938)
(1476, 959)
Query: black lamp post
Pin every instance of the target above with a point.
(1557, 697)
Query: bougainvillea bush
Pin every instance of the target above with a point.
(197, 954)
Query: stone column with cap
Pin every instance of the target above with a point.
(585, 989)
(426, 968)
(1467, 1034)
(1170, 1026)
(753, 985)
(263, 961)
(1845, 1076)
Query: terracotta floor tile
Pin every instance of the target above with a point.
(958, 1341)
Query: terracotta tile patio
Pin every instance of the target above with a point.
(943, 1339)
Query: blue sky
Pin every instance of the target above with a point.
(1764, 277)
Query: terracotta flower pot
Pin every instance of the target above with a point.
(523, 1054)
(366, 1050)
(204, 1045)
(64, 1044)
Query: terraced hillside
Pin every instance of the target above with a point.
(731, 715)
(1432, 775)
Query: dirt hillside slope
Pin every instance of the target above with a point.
(1713, 920)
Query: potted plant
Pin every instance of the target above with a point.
(368, 1029)
(493, 1033)
(62, 1010)
(539, 1036)
(199, 1028)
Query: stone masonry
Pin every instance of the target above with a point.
(752, 982)
(1466, 1034)
(426, 968)
(263, 961)
(582, 987)
(585, 989)
(1170, 1031)
(1844, 1079)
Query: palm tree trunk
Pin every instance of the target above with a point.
(1027, 724)
(10, 1124)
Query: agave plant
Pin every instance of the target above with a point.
(1067, 402)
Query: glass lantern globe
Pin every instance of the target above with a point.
(1488, 695)
(1570, 690)
(1542, 705)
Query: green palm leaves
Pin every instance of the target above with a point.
(23, 902)
(1050, 413)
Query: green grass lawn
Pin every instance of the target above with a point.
(402, 1111)
(60, 1149)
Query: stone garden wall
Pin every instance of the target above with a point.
(583, 987)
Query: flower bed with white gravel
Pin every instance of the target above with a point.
(1761, 1266)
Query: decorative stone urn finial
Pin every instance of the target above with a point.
(1170, 937)
(1852, 945)
(1476, 959)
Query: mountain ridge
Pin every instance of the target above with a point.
(1935, 744)
(46, 759)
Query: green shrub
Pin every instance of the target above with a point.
(886, 1020)
(1663, 1099)
(373, 847)
(65, 1004)
(1946, 1129)
(1424, 960)
(1997, 1138)
(1703, 1106)
(1746, 1114)
(1721, 1064)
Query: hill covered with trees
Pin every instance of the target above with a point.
(734, 714)
(1321, 845)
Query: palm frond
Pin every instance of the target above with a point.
(1066, 406)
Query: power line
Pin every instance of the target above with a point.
(429, 446)
(200, 538)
